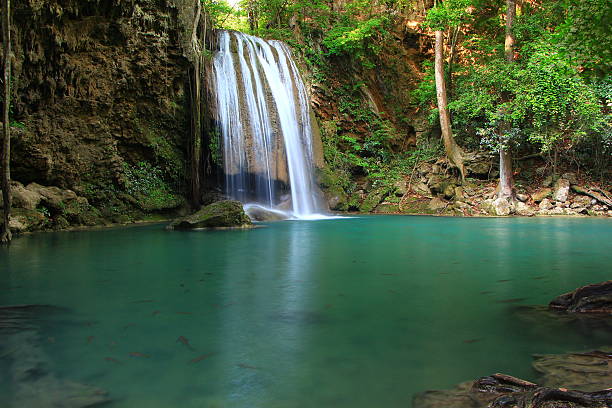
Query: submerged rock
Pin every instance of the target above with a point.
(585, 372)
(222, 214)
(596, 298)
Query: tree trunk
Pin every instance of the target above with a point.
(506, 182)
(5, 233)
(453, 151)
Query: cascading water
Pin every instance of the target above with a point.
(264, 121)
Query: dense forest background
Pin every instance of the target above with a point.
(553, 101)
(110, 103)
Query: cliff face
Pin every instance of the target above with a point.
(100, 90)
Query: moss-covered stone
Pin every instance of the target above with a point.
(373, 199)
(222, 214)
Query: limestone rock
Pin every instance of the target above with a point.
(571, 177)
(498, 206)
(561, 193)
(437, 204)
(52, 197)
(373, 199)
(449, 191)
(459, 193)
(400, 187)
(22, 198)
(581, 201)
(524, 210)
(541, 194)
(420, 188)
(522, 197)
(222, 214)
(545, 204)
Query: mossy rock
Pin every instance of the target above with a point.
(373, 199)
(222, 214)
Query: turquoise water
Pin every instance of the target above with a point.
(359, 312)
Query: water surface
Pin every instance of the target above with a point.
(356, 312)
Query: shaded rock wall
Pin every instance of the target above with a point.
(100, 85)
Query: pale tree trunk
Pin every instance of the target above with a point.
(506, 182)
(5, 233)
(453, 151)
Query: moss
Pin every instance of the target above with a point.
(373, 199)
(222, 214)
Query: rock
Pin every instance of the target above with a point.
(259, 213)
(478, 164)
(400, 187)
(581, 201)
(545, 204)
(522, 197)
(222, 214)
(52, 197)
(449, 191)
(561, 193)
(459, 193)
(588, 372)
(596, 298)
(424, 168)
(498, 206)
(420, 188)
(524, 210)
(437, 204)
(571, 177)
(597, 194)
(547, 181)
(22, 198)
(541, 194)
(373, 199)
(18, 224)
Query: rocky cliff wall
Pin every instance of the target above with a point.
(101, 96)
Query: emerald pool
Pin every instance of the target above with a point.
(355, 312)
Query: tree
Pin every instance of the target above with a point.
(453, 151)
(506, 183)
(5, 233)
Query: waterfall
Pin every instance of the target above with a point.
(264, 123)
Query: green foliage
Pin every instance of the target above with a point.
(214, 146)
(146, 184)
(450, 13)
(353, 37)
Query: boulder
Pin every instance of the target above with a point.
(437, 204)
(22, 198)
(545, 204)
(571, 177)
(420, 188)
(561, 193)
(373, 199)
(497, 206)
(523, 209)
(522, 197)
(222, 214)
(52, 197)
(400, 187)
(541, 194)
(581, 201)
(596, 298)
